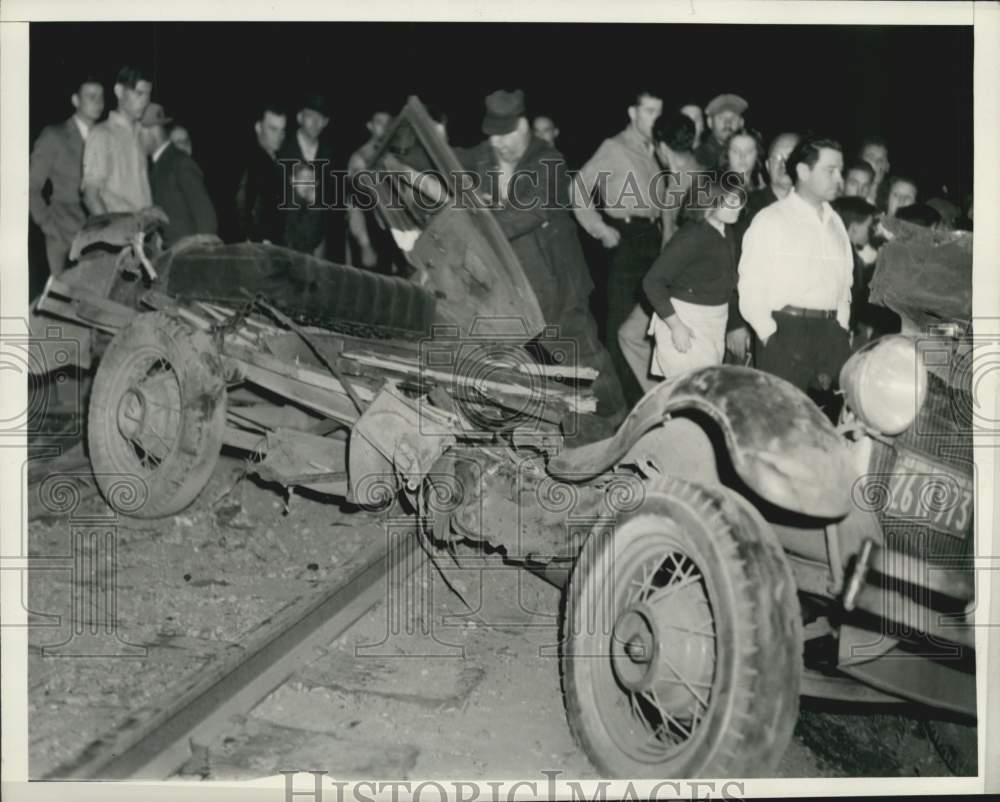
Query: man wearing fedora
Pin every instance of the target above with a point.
(524, 181)
(621, 176)
(56, 165)
(177, 181)
(309, 145)
(725, 117)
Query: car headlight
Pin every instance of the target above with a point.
(885, 383)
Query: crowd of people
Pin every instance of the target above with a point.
(748, 251)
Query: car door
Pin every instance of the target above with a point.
(450, 239)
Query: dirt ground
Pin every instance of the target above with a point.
(453, 675)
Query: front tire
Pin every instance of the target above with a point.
(157, 416)
(682, 641)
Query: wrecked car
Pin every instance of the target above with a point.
(727, 551)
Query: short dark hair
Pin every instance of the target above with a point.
(675, 130)
(899, 179)
(860, 164)
(807, 153)
(700, 199)
(88, 78)
(130, 76)
(919, 213)
(635, 98)
(853, 210)
(886, 188)
(314, 101)
(270, 106)
(778, 137)
(872, 139)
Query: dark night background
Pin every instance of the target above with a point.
(913, 85)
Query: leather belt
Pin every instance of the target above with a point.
(801, 311)
(628, 221)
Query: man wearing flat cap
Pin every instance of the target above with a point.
(725, 117)
(176, 180)
(524, 181)
(308, 145)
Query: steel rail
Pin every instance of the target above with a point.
(158, 746)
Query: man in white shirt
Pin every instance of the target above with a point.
(796, 273)
(114, 161)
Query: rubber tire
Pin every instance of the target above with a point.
(183, 474)
(755, 696)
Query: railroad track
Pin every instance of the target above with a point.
(158, 747)
(221, 610)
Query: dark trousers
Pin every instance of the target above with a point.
(803, 350)
(627, 266)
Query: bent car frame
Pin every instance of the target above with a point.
(727, 551)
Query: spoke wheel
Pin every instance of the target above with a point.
(157, 416)
(681, 650)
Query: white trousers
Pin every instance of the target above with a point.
(708, 339)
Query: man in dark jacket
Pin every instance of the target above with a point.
(308, 146)
(261, 187)
(55, 171)
(176, 180)
(524, 181)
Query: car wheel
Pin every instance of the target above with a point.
(681, 648)
(157, 416)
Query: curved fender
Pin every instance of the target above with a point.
(779, 441)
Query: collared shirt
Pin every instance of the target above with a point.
(623, 170)
(309, 149)
(793, 255)
(82, 127)
(114, 163)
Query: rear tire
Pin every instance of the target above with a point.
(157, 416)
(698, 681)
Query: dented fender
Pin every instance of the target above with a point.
(779, 441)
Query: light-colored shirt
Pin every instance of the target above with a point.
(82, 127)
(794, 255)
(622, 171)
(114, 163)
(309, 149)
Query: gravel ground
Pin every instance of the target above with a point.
(430, 683)
(189, 590)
